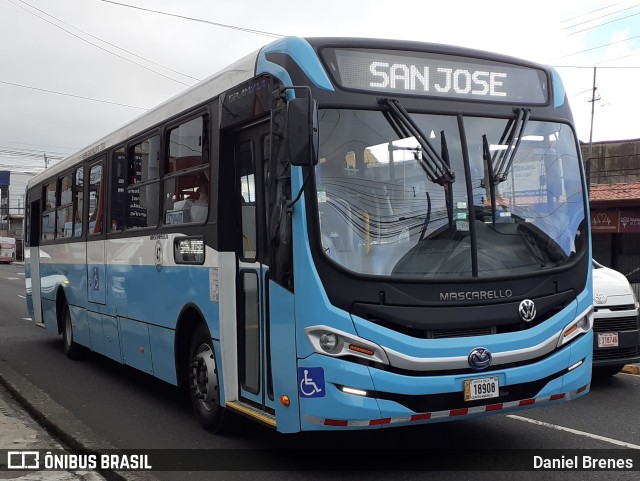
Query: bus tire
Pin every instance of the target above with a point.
(72, 349)
(203, 378)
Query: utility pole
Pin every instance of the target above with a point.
(593, 103)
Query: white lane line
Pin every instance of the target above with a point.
(575, 431)
(27, 319)
(12, 278)
(20, 295)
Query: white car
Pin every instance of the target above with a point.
(616, 326)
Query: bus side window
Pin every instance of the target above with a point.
(64, 211)
(144, 183)
(186, 190)
(78, 202)
(48, 225)
(95, 199)
(118, 203)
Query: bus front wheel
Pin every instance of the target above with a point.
(203, 383)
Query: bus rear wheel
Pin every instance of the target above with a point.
(204, 383)
(72, 349)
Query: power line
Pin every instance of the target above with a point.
(600, 46)
(589, 13)
(41, 147)
(223, 25)
(590, 67)
(96, 45)
(71, 95)
(602, 16)
(602, 24)
(111, 44)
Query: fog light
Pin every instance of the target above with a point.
(572, 367)
(328, 341)
(352, 390)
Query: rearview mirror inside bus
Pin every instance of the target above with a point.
(302, 131)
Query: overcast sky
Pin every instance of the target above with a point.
(71, 71)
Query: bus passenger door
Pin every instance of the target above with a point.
(254, 356)
(96, 262)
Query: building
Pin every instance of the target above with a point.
(614, 178)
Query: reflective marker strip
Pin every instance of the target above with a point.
(425, 417)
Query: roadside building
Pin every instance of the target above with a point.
(614, 177)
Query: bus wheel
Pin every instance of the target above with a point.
(72, 349)
(203, 383)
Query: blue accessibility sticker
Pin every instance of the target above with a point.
(311, 381)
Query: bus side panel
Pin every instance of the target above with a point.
(95, 331)
(33, 284)
(136, 348)
(283, 357)
(163, 354)
(111, 332)
(81, 333)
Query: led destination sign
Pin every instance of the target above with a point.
(429, 74)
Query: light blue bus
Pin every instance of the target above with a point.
(331, 234)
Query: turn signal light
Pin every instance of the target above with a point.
(361, 350)
(569, 331)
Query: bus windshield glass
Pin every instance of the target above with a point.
(516, 205)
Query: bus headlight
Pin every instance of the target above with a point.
(328, 341)
(332, 342)
(583, 323)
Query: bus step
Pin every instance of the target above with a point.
(252, 412)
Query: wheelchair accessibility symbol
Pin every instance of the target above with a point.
(311, 381)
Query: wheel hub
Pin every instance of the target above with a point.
(204, 377)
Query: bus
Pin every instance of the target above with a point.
(7, 250)
(331, 234)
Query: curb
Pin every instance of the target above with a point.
(62, 423)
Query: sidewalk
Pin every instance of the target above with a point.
(18, 431)
(31, 420)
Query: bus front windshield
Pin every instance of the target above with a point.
(516, 206)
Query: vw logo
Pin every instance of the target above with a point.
(479, 358)
(600, 298)
(527, 310)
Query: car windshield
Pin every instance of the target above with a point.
(380, 213)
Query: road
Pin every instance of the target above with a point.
(131, 410)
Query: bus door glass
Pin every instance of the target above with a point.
(254, 357)
(96, 278)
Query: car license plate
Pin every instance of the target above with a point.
(483, 388)
(607, 339)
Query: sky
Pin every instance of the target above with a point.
(72, 71)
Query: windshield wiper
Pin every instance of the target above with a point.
(436, 166)
(486, 155)
(502, 161)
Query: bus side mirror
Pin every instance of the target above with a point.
(302, 131)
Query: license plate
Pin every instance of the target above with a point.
(483, 388)
(607, 339)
